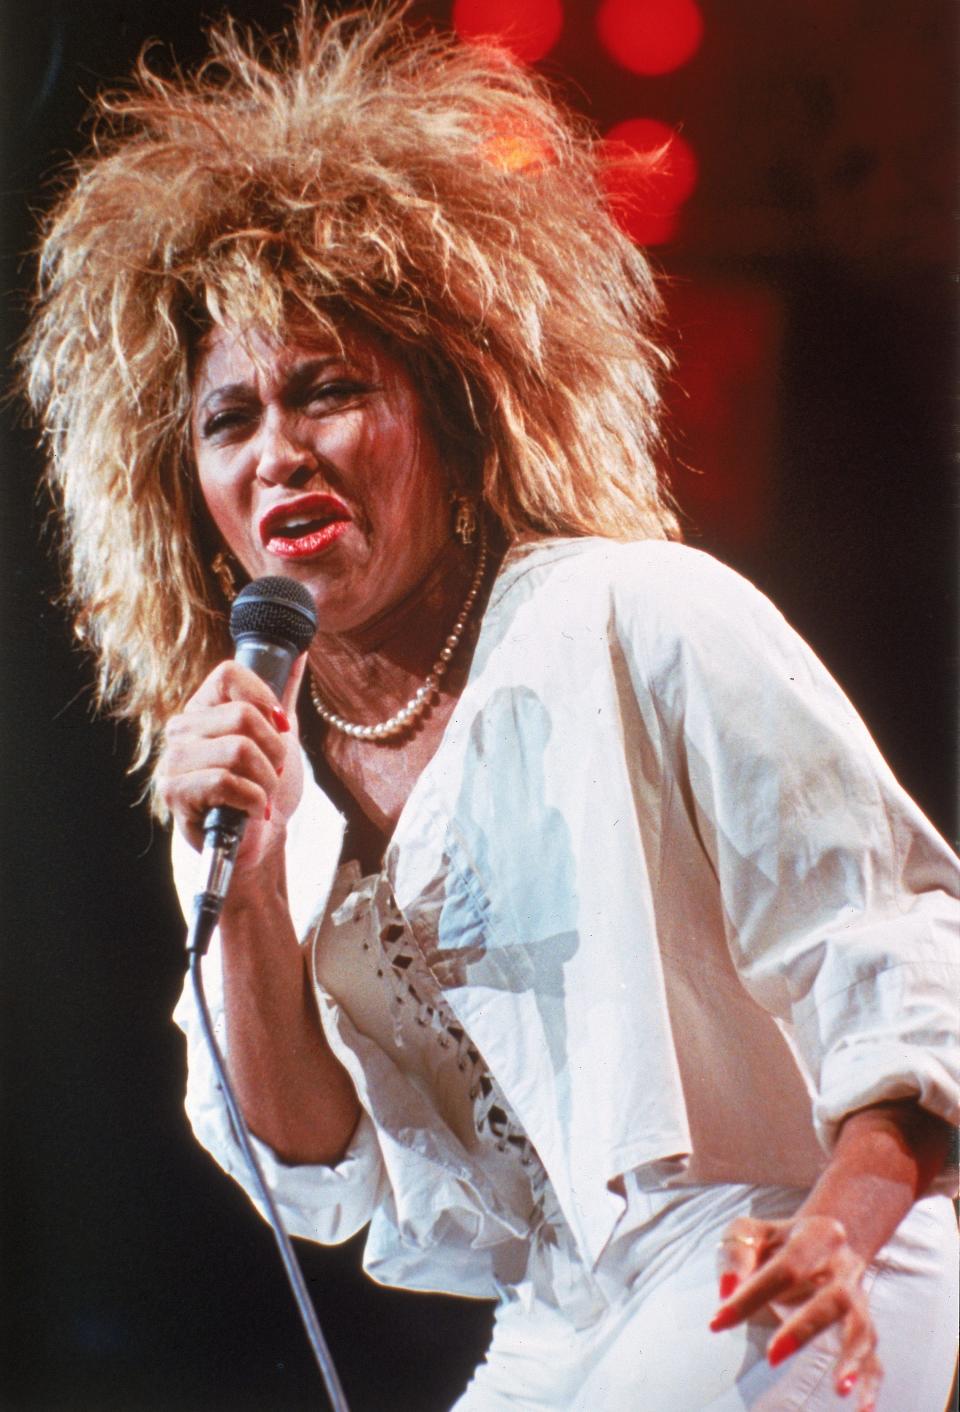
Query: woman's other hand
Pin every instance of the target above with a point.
(807, 1271)
(234, 744)
(810, 1269)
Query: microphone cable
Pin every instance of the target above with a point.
(318, 1344)
(272, 621)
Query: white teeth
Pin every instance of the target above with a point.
(281, 527)
(294, 523)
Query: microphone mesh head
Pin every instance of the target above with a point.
(276, 609)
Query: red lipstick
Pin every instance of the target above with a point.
(304, 526)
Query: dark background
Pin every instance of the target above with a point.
(813, 285)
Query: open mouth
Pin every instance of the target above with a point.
(304, 527)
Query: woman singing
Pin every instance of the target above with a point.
(580, 944)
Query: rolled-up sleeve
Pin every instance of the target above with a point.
(839, 898)
(886, 1035)
(325, 1204)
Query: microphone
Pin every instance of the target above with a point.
(272, 621)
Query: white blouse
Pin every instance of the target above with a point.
(364, 956)
(670, 892)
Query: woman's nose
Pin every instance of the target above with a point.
(283, 453)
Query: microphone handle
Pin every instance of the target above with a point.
(223, 825)
(272, 662)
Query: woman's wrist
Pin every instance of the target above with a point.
(885, 1158)
(257, 891)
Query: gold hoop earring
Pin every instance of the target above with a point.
(465, 518)
(222, 569)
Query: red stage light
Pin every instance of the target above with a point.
(528, 28)
(651, 171)
(650, 36)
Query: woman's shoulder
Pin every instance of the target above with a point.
(673, 613)
(653, 585)
(663, 560)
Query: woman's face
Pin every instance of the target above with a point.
(318, 464)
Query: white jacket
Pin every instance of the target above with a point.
(669, 888)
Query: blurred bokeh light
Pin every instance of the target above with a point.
(651, 172)
(650, 36)
(528, 28)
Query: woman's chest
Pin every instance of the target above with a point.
(366, 957)
(370, 782)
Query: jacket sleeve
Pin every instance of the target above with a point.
(839, 898)
(327, 1204)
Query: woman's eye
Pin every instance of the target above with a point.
(225, 423)
(219, 422)
(340, 390)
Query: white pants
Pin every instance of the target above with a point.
(648, 1349)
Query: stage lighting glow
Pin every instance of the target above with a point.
(650, 36)
(528, 28)
(650, 172)
(517, 151)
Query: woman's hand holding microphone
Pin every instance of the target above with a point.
(235, 744)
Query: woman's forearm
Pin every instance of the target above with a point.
(885, 1158)
(294, 1093)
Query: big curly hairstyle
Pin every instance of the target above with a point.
(431, 192)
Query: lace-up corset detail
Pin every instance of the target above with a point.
(366, 956)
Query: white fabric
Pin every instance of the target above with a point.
(650, 1349)
(670, 890)
(366, 958)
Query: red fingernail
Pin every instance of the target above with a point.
(781, 1349)
(728, 1284)
(844, 1387)
(279, 771)
(723, 1320)
(280, 718)
(267, 811)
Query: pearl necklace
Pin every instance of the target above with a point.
(423, 697)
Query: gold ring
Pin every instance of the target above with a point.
(741, 1240)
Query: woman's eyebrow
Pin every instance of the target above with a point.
(294, 379)
(227, 389)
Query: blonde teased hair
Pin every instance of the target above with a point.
(430, 191)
